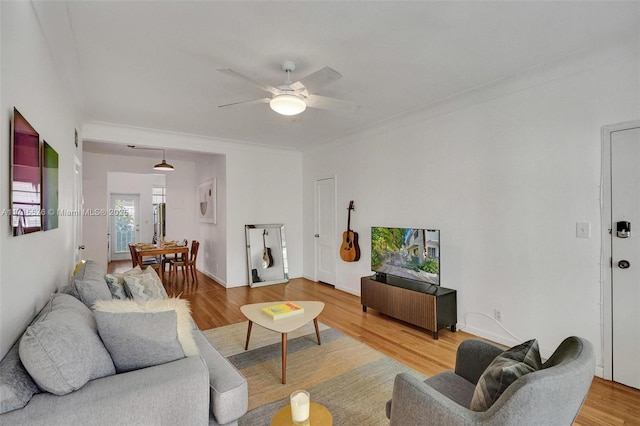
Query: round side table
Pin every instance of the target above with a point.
(318, 416)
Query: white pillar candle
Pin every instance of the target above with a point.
(300, 406)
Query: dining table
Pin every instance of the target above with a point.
(154, 250)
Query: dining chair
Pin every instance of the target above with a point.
(153, 262)
(167, 258)
(188, 265)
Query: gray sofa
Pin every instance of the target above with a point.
(82, 386)
(551, 395)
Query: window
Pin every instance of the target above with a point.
(158, 195)
(432, 252)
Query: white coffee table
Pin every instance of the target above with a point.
(254, 314)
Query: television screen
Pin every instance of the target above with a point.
(409, 253)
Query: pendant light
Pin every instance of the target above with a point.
(164, 166)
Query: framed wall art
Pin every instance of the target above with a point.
(207, 201)
(26, 196)
(49, 187)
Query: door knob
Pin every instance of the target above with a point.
(317, 235)
(624, 264)
(81, 247)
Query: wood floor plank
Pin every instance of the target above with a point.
(212, 305)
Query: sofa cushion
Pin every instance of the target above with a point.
(61, 349)
(116, 283)
(505, 369)
(16, 386)
(183, 328)
(145, 286)
(139, 339)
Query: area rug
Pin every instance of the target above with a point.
(351, 379)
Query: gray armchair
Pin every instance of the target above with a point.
(550, 396)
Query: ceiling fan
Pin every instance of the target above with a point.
(293, 98)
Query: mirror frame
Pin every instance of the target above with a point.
(280, 253)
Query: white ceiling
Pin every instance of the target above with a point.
(153, 64)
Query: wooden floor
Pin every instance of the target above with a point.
(212, 305)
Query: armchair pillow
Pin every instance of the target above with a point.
(505, 369)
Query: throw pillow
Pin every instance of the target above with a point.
(116, 283)
(61, 349)
(116, 286)
(145, 286)
(90, 284)
(183, 328)
(78, 266)
(69, 289)
(505, 369)
(92, 291)
(89, 270)
(139, 339)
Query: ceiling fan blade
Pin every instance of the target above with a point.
(258, 84)
(254, 101)
(317, 80)
(322, 102)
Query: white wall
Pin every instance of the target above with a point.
(30, 82)
(505, 172)
(262, 185)
(180, 199)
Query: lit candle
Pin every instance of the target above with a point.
(300, 407)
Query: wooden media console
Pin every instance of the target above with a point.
(428, 306)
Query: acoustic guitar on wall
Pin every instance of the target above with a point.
(267, 259)
(349, 250)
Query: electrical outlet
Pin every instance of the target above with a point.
(497, 314)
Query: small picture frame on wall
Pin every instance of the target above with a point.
(49, 187)
(207, 201)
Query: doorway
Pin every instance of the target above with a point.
(325, 238)
(124, 224)
(621, 252)
(77, 206)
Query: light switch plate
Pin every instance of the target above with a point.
(583, 229)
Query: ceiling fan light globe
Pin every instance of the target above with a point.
(287, 104)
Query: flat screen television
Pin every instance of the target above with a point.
(408, 253)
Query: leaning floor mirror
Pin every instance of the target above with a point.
(266, 254)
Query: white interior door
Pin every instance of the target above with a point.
(326, 249)
(625, 256)
(125, 224)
